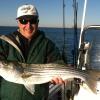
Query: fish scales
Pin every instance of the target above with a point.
(31, 74)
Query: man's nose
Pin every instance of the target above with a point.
(29, 24)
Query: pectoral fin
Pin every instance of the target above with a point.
(30, 88)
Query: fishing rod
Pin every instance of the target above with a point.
(69, 94)
(81, 46)
(73, 86)
(63, 50)
(83, 21)
(63, 94)
(75, 53)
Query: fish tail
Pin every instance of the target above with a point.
(91, 80)
(91, 85)
(30, 88)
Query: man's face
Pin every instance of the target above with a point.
(28, 27)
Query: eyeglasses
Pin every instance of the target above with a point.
(31, 21)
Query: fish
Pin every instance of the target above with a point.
(31, 74)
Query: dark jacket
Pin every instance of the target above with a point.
(14, 47)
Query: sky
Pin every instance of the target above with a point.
(51, 12)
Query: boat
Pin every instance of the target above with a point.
(70, 90)
(83, 53)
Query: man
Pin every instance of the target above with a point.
(28, 45)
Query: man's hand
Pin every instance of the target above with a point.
(57, 80)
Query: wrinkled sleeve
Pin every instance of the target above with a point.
(3, 49)
(2, 57)
(53, 53)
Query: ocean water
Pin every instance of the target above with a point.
(57, 36)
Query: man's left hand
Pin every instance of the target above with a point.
(57, 80)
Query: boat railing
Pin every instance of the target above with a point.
(84, 47)
(53, 89)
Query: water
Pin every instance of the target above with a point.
(57, 36)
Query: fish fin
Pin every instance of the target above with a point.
(30, 88)
(92, 79)
(91, 85)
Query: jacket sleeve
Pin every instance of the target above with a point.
(2, 57)
(3, 50)
(53, 53)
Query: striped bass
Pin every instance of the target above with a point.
(31, 74)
